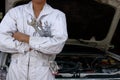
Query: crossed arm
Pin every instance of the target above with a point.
(14, 42)
(21, 37)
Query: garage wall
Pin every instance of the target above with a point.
(2, 10)
(111, 2)
(8, 4)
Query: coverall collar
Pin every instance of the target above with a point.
(47, 9)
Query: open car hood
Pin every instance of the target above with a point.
(90, 23)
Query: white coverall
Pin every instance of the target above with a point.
(32, 64)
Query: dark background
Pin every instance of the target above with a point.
(2, 7)
(85, 18)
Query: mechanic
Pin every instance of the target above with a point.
(34, 33)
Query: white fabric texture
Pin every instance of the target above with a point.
(32, 64)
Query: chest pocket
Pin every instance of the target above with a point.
(20, 23)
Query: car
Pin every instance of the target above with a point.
(92, 49)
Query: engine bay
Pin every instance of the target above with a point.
(86, 62)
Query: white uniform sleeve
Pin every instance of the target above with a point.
(7, 28)
(52, 45)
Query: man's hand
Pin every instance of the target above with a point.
(21, 37)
